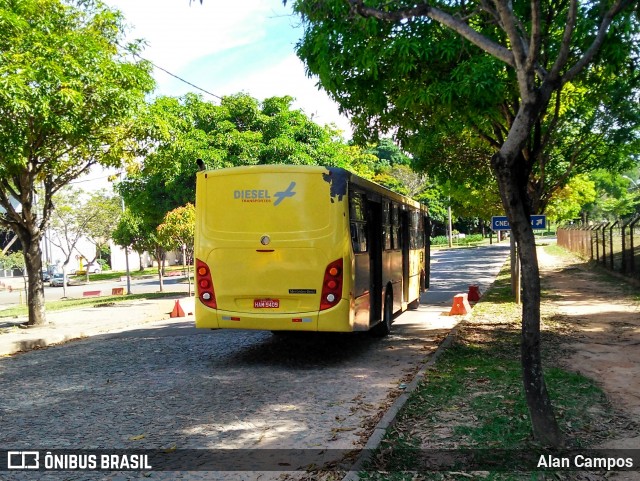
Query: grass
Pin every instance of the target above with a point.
(473, 399)
(73, 303)
(556, 250)
(135, 274)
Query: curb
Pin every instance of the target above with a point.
(57, 334)
(389, 417)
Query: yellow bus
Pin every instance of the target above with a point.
(305, 248)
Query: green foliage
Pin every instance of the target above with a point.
(78, 215)
(614, 197)
(15, 260)
(568, 202)
(451, 105)
(106, 210)
(243, 131)
(68, 91)
(468, 239)
(129, 233)
(389, 153)
(178, 228)
(239, 131)
(381, 72)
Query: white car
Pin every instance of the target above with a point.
(94, 268)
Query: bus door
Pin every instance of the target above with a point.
(427, 250)
(404, 227)
(375, 258)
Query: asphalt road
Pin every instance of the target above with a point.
(138, 286)
(175, 388)
(453, 270)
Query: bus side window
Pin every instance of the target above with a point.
(358, 237)
(396, 241)
(386, 225)
(415, 239)
(358, 223)
(420, 232)
(356, 205)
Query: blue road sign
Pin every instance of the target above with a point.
(539, 221)
(501, 222)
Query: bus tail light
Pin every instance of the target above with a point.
(332, 285)
(205, 285)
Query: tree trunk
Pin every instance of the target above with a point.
(512, 184)
(160, 258)
(65, 276)
(9, 244)
(35, 287)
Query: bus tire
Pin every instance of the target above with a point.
(413, 305)
(384, 327)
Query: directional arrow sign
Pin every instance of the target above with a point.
(502, 223)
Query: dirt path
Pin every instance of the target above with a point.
(602, 322)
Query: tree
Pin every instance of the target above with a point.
(388, 152)
(178, 232)
(614, 197)
(92, 216)
(569, 202)
(106, 210)
(67, 91)
(15, 260)
(128, 234)
(502, 68)
(239, 131)
(68, 225)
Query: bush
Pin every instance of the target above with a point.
(468, 239)
(439, 240)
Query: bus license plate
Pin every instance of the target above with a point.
(266, 303)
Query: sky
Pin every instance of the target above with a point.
(226, 47)
(223, 47)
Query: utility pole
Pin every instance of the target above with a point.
(450, 225)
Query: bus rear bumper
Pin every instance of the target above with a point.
(335, 319)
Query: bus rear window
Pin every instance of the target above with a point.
(267, 203)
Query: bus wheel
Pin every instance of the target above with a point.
(413, 305)
(384, 328)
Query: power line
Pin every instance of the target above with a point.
(171, 73)
(90, 180)
(179, 78)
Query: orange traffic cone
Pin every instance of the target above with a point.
(460, 305)
(177, 310)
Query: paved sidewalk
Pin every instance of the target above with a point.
(67, 325)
